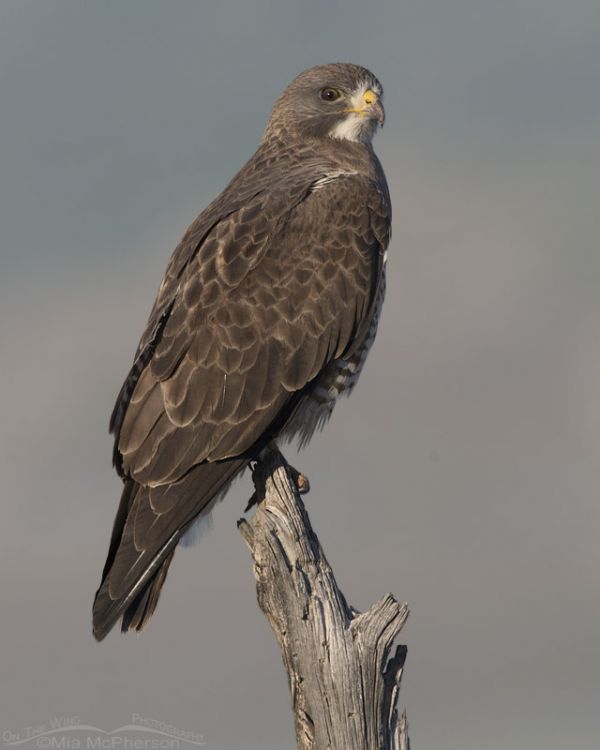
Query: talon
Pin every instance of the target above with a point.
(253, 501)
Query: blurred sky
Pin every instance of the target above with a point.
(462, 475)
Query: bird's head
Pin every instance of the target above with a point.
(340, 101)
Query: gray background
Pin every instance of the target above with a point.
(463, 474)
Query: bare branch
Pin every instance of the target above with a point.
(343, 683)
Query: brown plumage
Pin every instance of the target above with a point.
(265, 314)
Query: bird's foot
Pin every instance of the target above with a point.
(269, 458)
(300, 480)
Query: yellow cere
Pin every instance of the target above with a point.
(370, 97)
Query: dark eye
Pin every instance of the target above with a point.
(330, 95)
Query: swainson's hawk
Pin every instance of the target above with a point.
(265, 315)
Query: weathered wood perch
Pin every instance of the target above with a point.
(343, 683)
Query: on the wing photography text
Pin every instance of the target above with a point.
(71, 733)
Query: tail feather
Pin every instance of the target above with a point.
(139, 612)
(148, 526)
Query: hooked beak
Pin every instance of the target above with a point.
(373, 108)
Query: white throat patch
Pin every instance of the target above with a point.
(351, 128)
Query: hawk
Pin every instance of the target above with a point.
(265, 315)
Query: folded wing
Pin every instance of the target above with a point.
(275, 291)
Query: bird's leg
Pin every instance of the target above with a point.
(269, 456)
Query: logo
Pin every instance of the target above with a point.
(70, 733)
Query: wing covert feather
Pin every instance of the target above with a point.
(267, 301)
